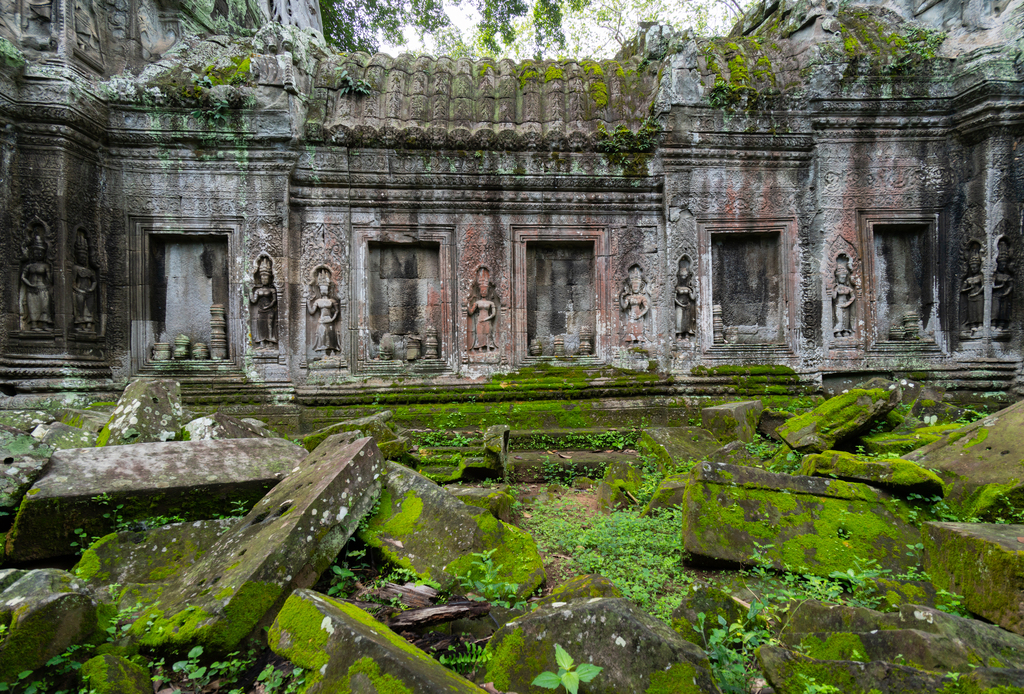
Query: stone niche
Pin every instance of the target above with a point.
(560, 297)
(179, 271)
(902, 266)
(751, 282)
(406, 306)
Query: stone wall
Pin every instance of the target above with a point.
(834, 190)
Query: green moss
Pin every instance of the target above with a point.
(304, 624)
(194, 625)
(88, 567)
(381, 630)
(681, 678)
(553, 73)
(505, 657)
(10, 56)
(103, 437)
(110, 674)
(599, 93)
(382, 683)
(980, 434)
(404, 522)
(835, 647)
(516, 552)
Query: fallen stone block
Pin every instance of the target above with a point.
(900, 442)
(223, 426)
(733, 421)
(91, 419)
(497, 501)
(638, 653)
(193, 479)
(935, 640)
(344, 649)
(733, 453)
(148, 556)
(619, 487)
(45, 611)
(791, 673)
(392, 445)
(285, 542)
(899, 476)
(22, 460)
(425, 529)
(584, 587)
(61, 437)
(749, 516)
(982, 462)
(984, 563)
(113, 674)
(670, 493)
(838, 419)
(496, 439)
(149, 410)
(671, 445)
(771, 420)
(712, 603)
(25, 420)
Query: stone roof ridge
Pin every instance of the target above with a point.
(469, 94)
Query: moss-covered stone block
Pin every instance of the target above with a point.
(789, 672)
(91, 419)
(586, 587)
(423, 528)
(984, 464)
(496, 438)
(631, 646)
(984, 563)
(149, 410)
(223, 426)
(837, 419)
(672, 445)
(61, 437)
(113, 674)
(801, 524)
(771, 420)
(734, 453)
(24, 458)
(733, 421)
(392, 445)
(899, 476)
(344, 649)
(285, 542)
(45, 611)
(900, 442)
(94, 488)
(669, 493)
(497, 501)
(25, 420)
(150, 556)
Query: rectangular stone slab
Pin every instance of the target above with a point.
(813, 525)
(984, 562)
(340, 646)
(288, 539)
(195, 479)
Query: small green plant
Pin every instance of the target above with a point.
(347, 84)
(465, 661)
(483, 581)
(569, 674)
(811, 686)
(194, 675)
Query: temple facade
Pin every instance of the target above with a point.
(208, 194)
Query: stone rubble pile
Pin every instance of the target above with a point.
(163, 589)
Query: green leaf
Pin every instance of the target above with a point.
(571, 682)
(195, 652)
(588, 671)
(563, 659)
(548, 680)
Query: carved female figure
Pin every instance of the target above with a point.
(1002, 289)
(686, 300)
(635, 301)
(36, 289)
(843, 296)
(482, 312)
(973, 289)
(83, 286)
(263, 300)
(326, 309)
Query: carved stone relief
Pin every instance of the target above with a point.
(972, 291)
(635, 303)
(87, 32)
(36, 24)
(685, 300)
(482, 313)
(324, 307)
(84, 286)
(844, 295)
(35, 291)
(263, 305)
(1002, 288)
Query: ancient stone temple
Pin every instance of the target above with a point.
(219, 196)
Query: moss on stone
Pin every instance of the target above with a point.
(506, 655)
(835, 647)
(112, 674)
(681, 678)
(382, 683)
